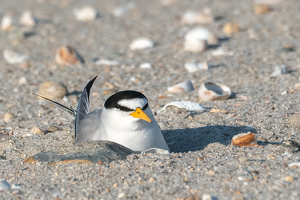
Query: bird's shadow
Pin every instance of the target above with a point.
(193, 139)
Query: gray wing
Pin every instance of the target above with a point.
(83, 105)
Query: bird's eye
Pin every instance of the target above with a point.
(123, 108)
(145, 107)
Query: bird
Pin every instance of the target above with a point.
(126, 118)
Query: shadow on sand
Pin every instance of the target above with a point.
(184, 140)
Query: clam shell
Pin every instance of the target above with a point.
(210, 91)
(68, 56)
(192, 17)
(141, 43)
(6, 23)
(244, 139)
(195, 45)
(185, 86)
(188, 105)
(13, 58)
(86, 13)
(27, 19)
(201, 33)
(193, 67)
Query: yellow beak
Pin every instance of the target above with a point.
(139, 113)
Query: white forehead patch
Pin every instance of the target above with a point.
(133, 103)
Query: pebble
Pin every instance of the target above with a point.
(208, 197)
(118, 12)
(52, 90)
(289, 178)
(192, 197)
(53, 129)
(192, 17)
(22, 81)
(36, 130)
(151, 180)
(218, 111)
(6, 23)
(87, 13)
(211, 172)
(4, 185)
(294, 120)
(146, 66)
(260, 9)
(121, 195)
(141, 43)
(25, 64)
(68, 56)
(13, 58)
(231, 28)
(27, 19)
(8, 117)
(243, 159)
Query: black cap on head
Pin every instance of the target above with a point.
(112, 101)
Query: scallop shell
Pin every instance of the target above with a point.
(193, 67)
(192, 17)
(210, 91)
(86, 13)
(13, 58)
(188, 105)
(27, 19)
(6, 23)
(185, 86)
(141, 43)
(68, 56)
(201, 33)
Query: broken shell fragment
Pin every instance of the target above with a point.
(27, 19)
(192, 17)
(6, 23)
(86, 13)
(244, 140)
(52, 90)
(68, 56)
(201, 33)
(106, 62)
(280, 70)
(185, 86)
(210, 91)
(260, 9)
(141, 43)
(188, 105)
(231, 28)
(36, 130)
(13, 58)
(193, 67)
(146, 66)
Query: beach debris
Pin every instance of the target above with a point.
(118, 12)
(192, 17)
(52, 129)
(210, 91)
(208, 197)
(155, 150)
(244, 140)
(141, 43)
(220, 52)
(22, 81)
(36, 130)
(260, 9)
(87, 13)
(231, 28)
(289, 178)
(27, 19)
(168, 2)
(193, 67)
(106, 62)
(280, 70)
(6, 23)
(98, 152)
(182, 87)
(268, 1)
(291, 145)
(52, 90)
(146, 66)
(294, 164)
(68, 56)
(8, 117)
(13, 58)
(188, 105)
(218, 111)
(4, 185)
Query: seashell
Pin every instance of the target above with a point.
(107, 62)
(268, 1)
(118, 12)
(185, 86)
(8, 117)
(13, 58)
(244, 140)
(280, 70)
(192, 17)
(294, 164)
(260, 9)
(68, 56)
(27, 19)
(86, 13)
(210, 91)
(231, 28)
(146, 65)
(195, 45)
(193, 67)
(156, 151)
(220, 52)
(4, 185)
(141, 43)
(52, 90)
(22, 81)
(6, 23)
(188, 105)
(201, 33)
(36, 130)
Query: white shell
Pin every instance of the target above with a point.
(146, 65)
(107, 62)
(294, 164)
(6, 23)
(155, 150)
(195, 45)
(182, 87)
(193, 67)
(279, 70)
(27, 19)
(188, 105)
(210, 91)
(201, 33)
(13, 58)
(220, 52)
(4, 185)
(118, 12)
(141, 43)
(86, 13)
(192, 17)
